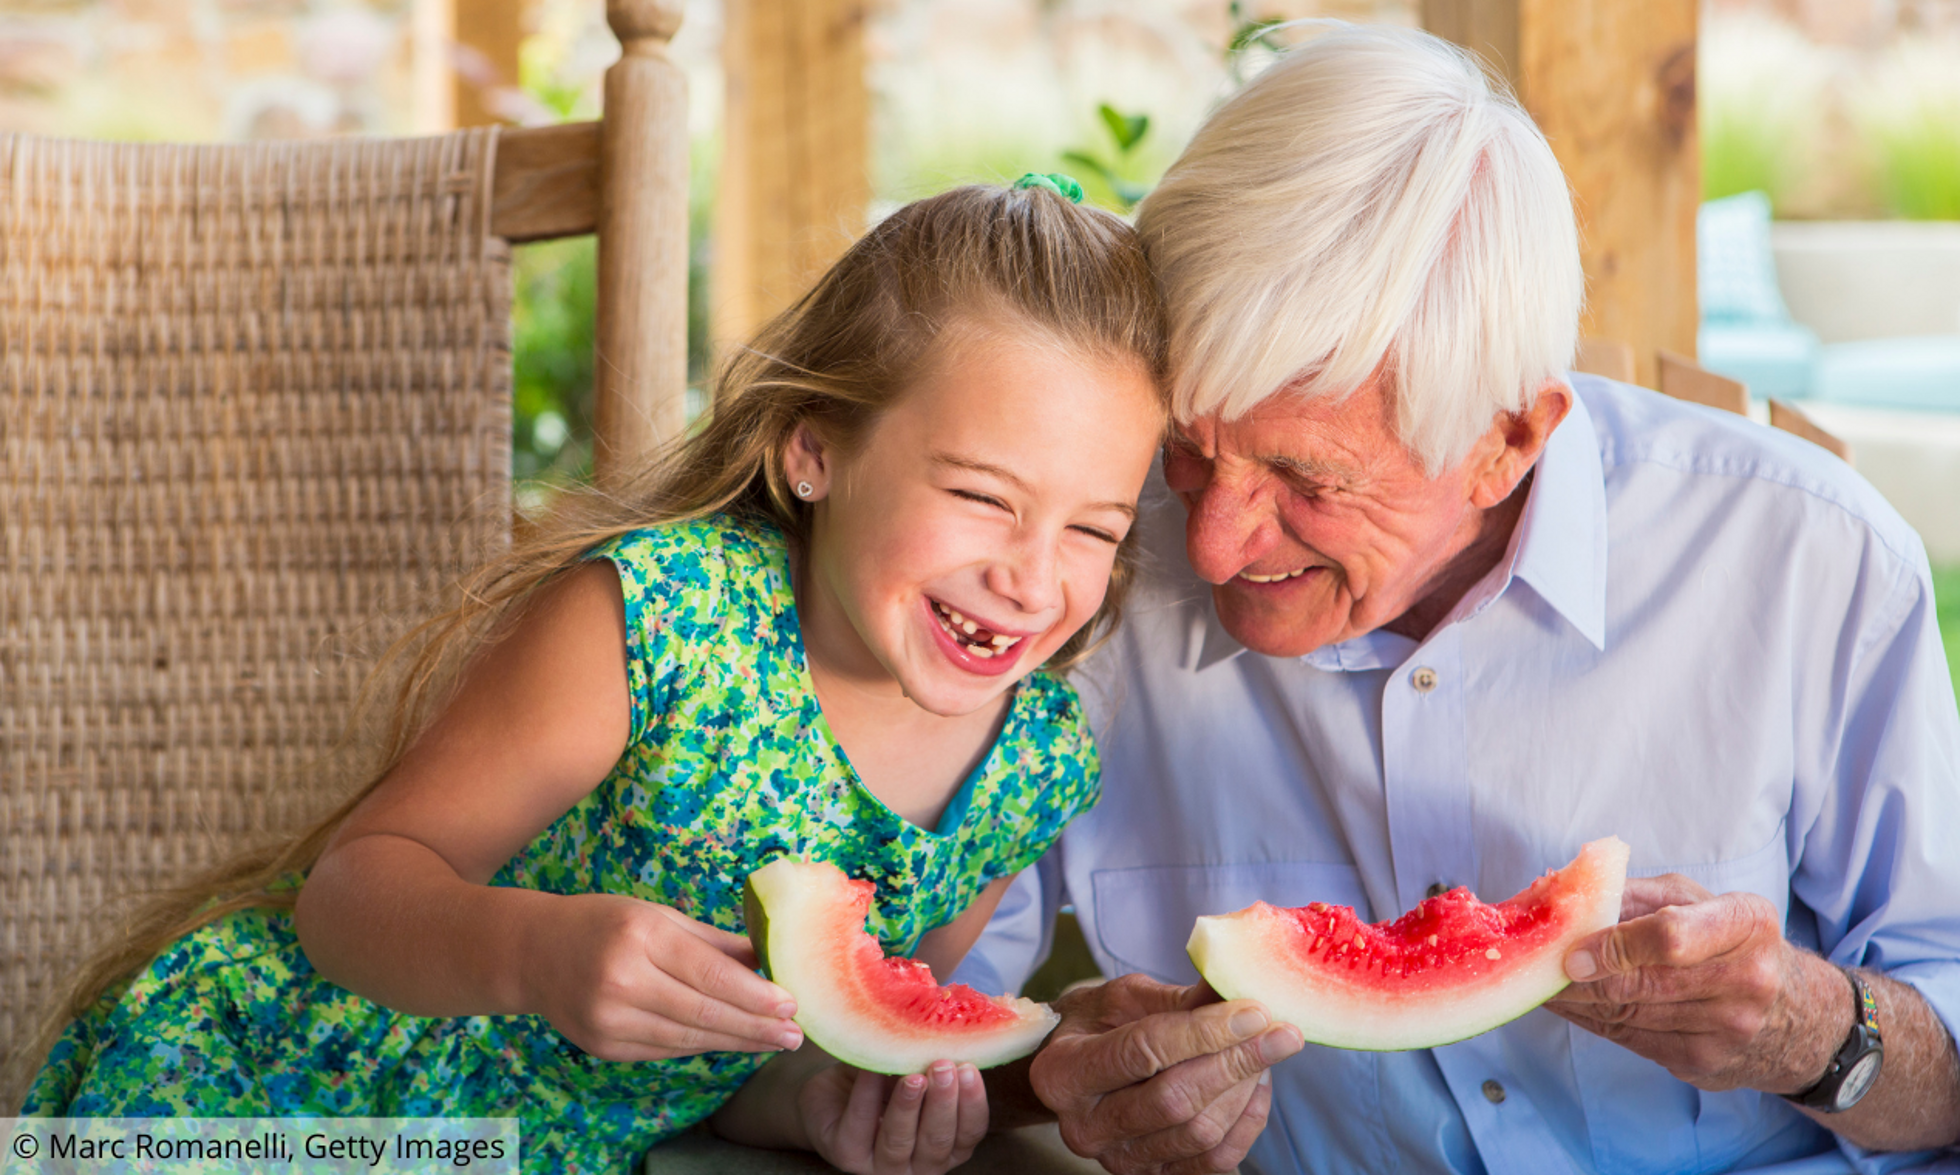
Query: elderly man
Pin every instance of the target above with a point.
(1423, 610)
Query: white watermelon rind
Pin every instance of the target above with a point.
(1250, 955)
(797, 912)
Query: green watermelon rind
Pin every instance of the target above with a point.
(1232, 952)
(853, 1040)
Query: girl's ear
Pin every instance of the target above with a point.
(806, 462)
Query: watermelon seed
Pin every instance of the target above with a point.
(1492, 953)
(1432, 940)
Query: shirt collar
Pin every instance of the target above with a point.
(1559, 549)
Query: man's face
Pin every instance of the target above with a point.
(1313, 521)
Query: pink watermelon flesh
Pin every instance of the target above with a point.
(1447, 970)
(884, 1014)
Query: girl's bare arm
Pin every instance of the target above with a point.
(397, 909)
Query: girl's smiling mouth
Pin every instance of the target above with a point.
(970, 644)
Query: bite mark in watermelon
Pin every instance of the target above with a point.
(887, 1015)
(1445, 971)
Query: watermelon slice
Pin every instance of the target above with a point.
(886, 1015)
(1445, 971)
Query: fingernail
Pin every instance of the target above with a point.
(1581, 966)
(791, 1040)
(1266, 1077)
(786, 1009)
(1279, 1044)
(969, 1076)
(1246, 1022)
(914, 1083)
(943, 1077)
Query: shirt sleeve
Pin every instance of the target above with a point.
(1872, 821)
(1021, 933)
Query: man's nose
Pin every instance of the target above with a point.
(1225, 530)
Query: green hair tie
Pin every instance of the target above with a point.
(1054, 181)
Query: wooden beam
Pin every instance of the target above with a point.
(1681, 378)
(1792, 420)
(1489, 27)
(1612, 85)
(1608, 357)
(489, 37)
(546, 183)
(640, 369)
(795, 172)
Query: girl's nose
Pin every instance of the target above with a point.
(1029, 574)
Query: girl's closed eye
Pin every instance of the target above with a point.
(982, 499)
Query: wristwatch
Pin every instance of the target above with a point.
(1855, 1067)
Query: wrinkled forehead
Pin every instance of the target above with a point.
(1304, 430)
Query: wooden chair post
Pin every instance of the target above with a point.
(1607, 357)
(1792, 419)
(640, 371)
(1684, 379)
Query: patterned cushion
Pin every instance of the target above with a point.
(1736, 270)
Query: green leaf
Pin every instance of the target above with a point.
(1092, 165)
(1127, 129)
(1131, 194)
(1250, 33)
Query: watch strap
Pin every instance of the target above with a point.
(1863, 1039)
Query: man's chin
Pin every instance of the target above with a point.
(1271, 627)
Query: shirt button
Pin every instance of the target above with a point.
(1424, 679)
(1493, 1093)
(1436, 889)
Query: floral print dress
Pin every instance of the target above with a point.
(729, 765)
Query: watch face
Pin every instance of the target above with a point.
(1858, 1081)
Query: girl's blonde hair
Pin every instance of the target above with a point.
(836, 360)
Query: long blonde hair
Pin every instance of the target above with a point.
(836, 360)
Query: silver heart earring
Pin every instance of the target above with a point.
(803, 489)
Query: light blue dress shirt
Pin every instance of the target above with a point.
(1710, 639)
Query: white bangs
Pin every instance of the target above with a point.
(1368, 204)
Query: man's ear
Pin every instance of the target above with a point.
(806, 462)
(1519, 438)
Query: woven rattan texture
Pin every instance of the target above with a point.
(254, 412)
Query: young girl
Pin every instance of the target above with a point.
(818, 627)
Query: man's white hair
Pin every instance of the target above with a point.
(1369, 203)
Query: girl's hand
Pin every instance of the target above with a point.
(869, 1124)
(628, 980)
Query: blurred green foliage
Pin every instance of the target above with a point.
(551, 321)
(1918, 162)
(1946, 595)
(1111, 177)
(1744, 149)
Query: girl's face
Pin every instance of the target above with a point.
(974, 530)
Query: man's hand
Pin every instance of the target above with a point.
(1150, 1079)
(1707, 987)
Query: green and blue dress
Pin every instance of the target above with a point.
(729, 765)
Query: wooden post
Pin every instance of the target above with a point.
(640, 369)
(795, 174)
(1791, 419)
(489, 35)
(1489, 27)
(1612, 85)
(1608, 357)
(1683, 379)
